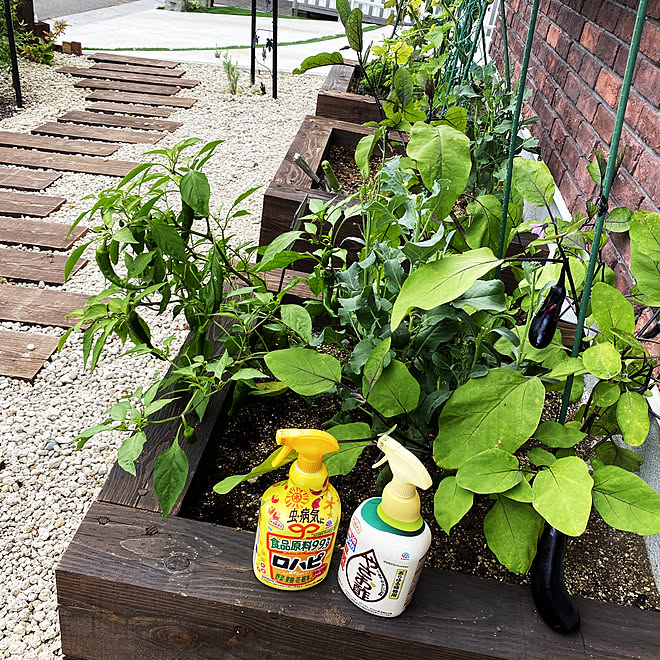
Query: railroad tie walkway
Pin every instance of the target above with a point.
(132, 100)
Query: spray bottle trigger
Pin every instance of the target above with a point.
(381, 461)
(281, 455)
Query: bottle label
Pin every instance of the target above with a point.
(365, 577)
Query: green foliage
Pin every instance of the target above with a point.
(232, 73)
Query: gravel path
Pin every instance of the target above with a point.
(45, 484)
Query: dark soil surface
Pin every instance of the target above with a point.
(347, 172)
(603, 564)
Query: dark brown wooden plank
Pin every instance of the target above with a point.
(39, 306)
(13, 203)
(345, 106)
(99, 119)
(14, 177)
(98, 133)
(58, 145)
(127, 109)
(53, 235)
(145, 70)
(144, 99)
(131, 59)
(34, 266)
(120, 86)
(340, 77)
(66, 163)
(22, 354)
(181, 589)
(102, 74)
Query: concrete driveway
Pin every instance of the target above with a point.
(45, 9)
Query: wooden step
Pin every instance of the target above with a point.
(66, 163)
(34, 266)
(127, 109)
(144, 99)
(14, 177)
(120, 86)
(24, 304)
(130, 59)
(97, 133)
(128, 77)
(52, 235)
(59, 145)
(96, 119)
(22, 354)
(14, 203)
(145, 70)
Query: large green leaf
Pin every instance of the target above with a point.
(344, 460)
(554, 434)
(130, 450)
(611, 310)
(606, 394)
(610, 453)
(451, 503)
(170, 474)
(403, 86)
(305, 371)
(491, 471)
(363, 152)
(484, 295)
(344, 10)
(168, 240)
(196, 192)
(322, 59)
(533, 181)
(374, 366)
(562, 494)
(441, 152)
(645, 256)
(602, 360)
(395, 392)
(441, 281)
(354, 30)
(626, 501)
(512, 531)
(486, 217)
(501, 410)
(227, 484)
(632, 416)
(298, 319)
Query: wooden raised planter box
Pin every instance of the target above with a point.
(335, 101)
(132, 585)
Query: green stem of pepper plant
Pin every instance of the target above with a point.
(605, 193)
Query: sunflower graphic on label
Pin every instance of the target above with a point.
(366, 578)
(296, 498)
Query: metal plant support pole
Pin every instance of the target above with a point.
(475, 40)
(253, 42)
(605, 193)
(505, 47)
(16, 81)
(275, 12)
(514, 127)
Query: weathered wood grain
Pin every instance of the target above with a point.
(145, 70)
(23, 354)
(34, 266)
(103, 74)
(98, 119)
(132, 59)
(144, 99)
(58, 145)
(20, 203)
(121, 86)
(127, 109)
(39, 306)
(52, 235)
(14, 177)
(340, 77)
(134, 585)
(98, 133)
(65, 163)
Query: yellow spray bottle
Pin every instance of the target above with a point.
(299, 517)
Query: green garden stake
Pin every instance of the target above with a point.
(505, 47)
(330, 176)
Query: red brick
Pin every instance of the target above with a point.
(604, 123)
(634, 109)
(626, 190)
(553, 10)
(588, 139)
(584, 180)
(573, 86)
(555, 163)
(646, 174)
(589, 70)
(625, 25)
(652, 348)
(571, 154)
(571, 193)
(545, 113)
(647, 80)
(624, 280)
(590, 9)
(574, 4)
(558, 134)
(549, 88)
(542, 26)
(563, 45)
(650, 44)
(621, 60)
(590, 36)
(575, 56)
(608, 86)
(587, 104)
(553, 35)
(621, 241)
(608, 16)
(648, 128)
(526, 12)
(607, 48)
(571, 22)
(634, 149)
(568, 113)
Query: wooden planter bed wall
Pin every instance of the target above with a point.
(132, 585)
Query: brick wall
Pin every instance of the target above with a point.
(576, 71)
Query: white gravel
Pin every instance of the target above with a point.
(45, 484)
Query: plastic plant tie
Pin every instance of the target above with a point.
(605, 193)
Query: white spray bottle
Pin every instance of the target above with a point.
(387, 539)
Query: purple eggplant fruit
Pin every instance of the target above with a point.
(544, 324)
(552, 601)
